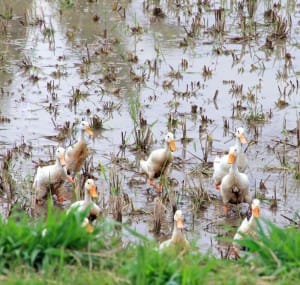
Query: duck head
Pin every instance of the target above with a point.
(169, 139)
(240, 134)
(178, 218)
(85, 127)
(90, 188)
(60, 155)
(255, 208)
(232, 155)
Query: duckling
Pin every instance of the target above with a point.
(178, 237)
(159, 162)
(221, 165)
(247, 227)
(50, 178)
(90, 191)
(235, 185)
(76, 154)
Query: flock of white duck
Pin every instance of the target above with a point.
(228, 177)
(50, 179)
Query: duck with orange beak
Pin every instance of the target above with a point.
(50, 178)
(159, 162)
(90, 192)
(77, 153)
(178, 238)
(235, 185)
(247, 226)
(221, 165)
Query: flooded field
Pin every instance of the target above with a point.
(136, 69)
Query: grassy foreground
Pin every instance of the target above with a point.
(65, 253)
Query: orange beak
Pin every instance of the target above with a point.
(89, 131)
(93, 192)
(172, 145)
(243, 139)
(179, 223)
(256, 212)
(231, 158)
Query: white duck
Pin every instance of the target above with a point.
(50, 178)
(235, 185)
(178, 237)
(247, 227)
(77, 153)
(221, 165)
(159, 162)
(90, 191)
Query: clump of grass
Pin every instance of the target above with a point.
(252, 8)
(115, 192)
(158, 215)
(96, 123)
(3, 27)
(219, 26)
(143, 136)
(7, 12)
(58, 240)
(26, 64)
(150, 266)
(276, 250)
(256, 115)
(66, 4)
(64, 131)
(198, 193)
(8, 184)
(77, 95)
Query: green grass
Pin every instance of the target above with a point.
(276, 251)
(23, 241)
(68, 254)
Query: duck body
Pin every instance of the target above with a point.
(221, 165)
(77, 153)
(159, 161)
(247, 226)
(50, 178)
(82, 205)
(235, 185)
(178, 238)
(90, 191)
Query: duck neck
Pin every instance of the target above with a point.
(87, 197)
(234, 167)
(238, 143)
(81, 135)
(57, 162)
(167, 148)
(178, 234)
(252, 222)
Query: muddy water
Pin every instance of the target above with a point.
(69, 48)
